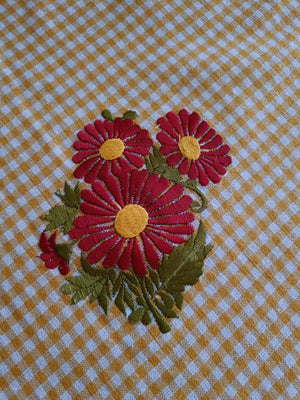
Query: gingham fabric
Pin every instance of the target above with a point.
(236, 63)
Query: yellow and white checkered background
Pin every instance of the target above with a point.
(237, 63)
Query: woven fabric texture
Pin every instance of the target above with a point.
(237, 64)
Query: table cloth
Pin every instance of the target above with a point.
(237, 64)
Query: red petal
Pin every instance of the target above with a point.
(139, 140)
(86, 221)
(124, 164)
(202, 128)
(92, 240)
(175, 122)
(85, 137)
(171, 194)
(184, 116)
(221, 151)
(91, 176)
(125, 259)
(172, 209)
(151, 254)
(112, 257)
(138, 149)
(90, 209)
(132, 132)
(178, 229)
(167, 127)
(79, 145)
(84, 168)
(173, 219)
(78, 233)
(167, 149)
(203, 178)
(117, 127)
(48, 256)
(137, 181)
(101, 129)
(214, 143)
(94, 133)
(217, 166)
(156, 190)
(134, 159)
(193, 123)
(102, 192)
(113, 187)
(63, 268)
(150, 182)
(184, 166)
(138, 261)
(163, 138)
(208, 136)
(161, 244)
(98, 253)
(109, 127)
(43, 243)
(171, 238)
(82, 154)
(193, 171)
(174, 159)
(91, 198)
(52, 240)
(213, 176)
(53, 263)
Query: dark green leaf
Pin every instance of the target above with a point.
(167, 312)
(118, 283)
(103, 300)
(149, 285)
(60, 216)
(162, 323)
(130, 114)
(136, 315)
(131, 277)
(71, 198)
(178, 296)
(64, 250)
(146, 320)
(107, 115)
(172, 174)
(112, 275)
(119, 300)
(167, 299)
(103, 272)
(200, 237)
(67, 288)
(149, 166)
(155, 277)
(128, 299)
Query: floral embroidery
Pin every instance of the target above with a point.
(129, 215)
(117, 144)
(51, 255)
(192, 146)
(135, 222)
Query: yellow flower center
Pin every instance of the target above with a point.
(111, 149)
(131, 220)
(189, 147)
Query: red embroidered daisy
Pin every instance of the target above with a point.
(192, 146)
(120, 143)
(131, 218)
(50, 254)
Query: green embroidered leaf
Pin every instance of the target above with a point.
(167, 299)
(155, 277)
(147, 319)
(162, 323)
(149, 285)
(60, 216)
(64, 250)
(103, 300)
(178, 296)
(112, 275)
(167, 312)
(131, 277)
(118, 283)
(107, 115)
(130, 114)
(136, 315)
(119, 300)
(184, 265)
(128, 299)
(195, 206)
(71, 198)
(86, 266)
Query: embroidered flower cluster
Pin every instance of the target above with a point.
(135, 218)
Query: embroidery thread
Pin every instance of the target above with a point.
(135, 223)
